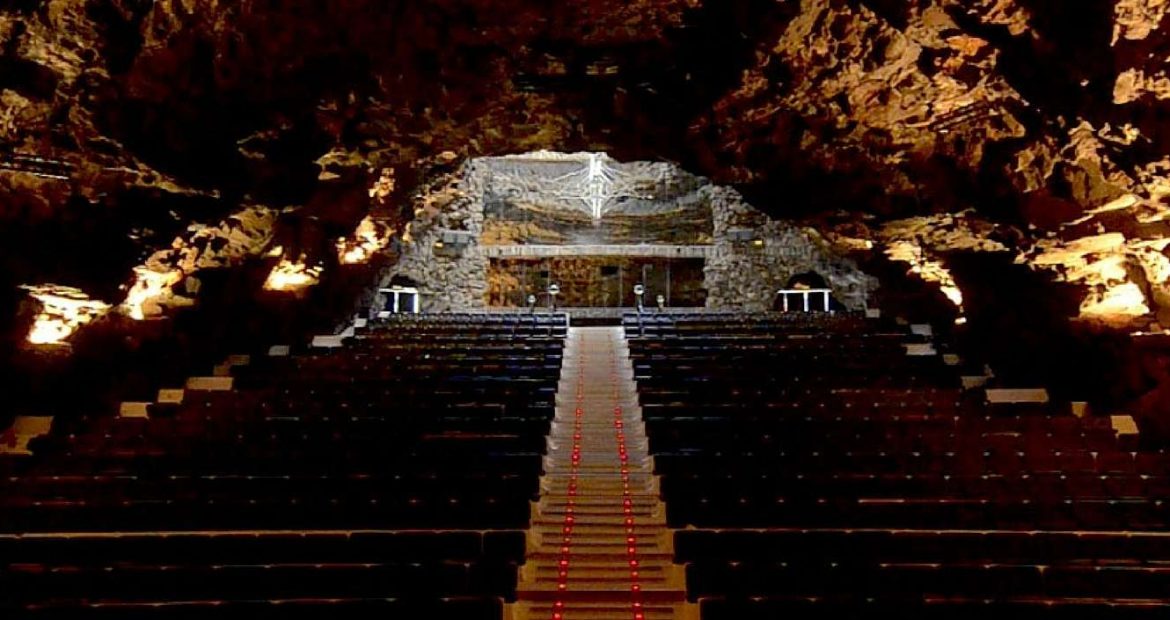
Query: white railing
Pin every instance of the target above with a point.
(805, 294)
(396, 293)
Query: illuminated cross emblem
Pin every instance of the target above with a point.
(598, 185)
(594, 184)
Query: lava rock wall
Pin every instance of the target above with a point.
(745, 272)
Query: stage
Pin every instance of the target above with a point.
(602, 316)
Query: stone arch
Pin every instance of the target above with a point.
(806, 279)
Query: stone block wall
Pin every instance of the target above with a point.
(738, 274)
(448, 278)
(745, 274)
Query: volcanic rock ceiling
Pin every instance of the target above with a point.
(145, 140)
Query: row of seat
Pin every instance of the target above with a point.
(837, 476)
(390, 477)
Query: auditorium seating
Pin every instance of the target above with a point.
(390, 477)
(816, 469)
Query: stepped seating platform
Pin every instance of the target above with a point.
(392, 476)
(813, 466)
(680, 465)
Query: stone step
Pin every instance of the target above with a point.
(597, 391)
(598, 385)
(597, 433)
(603, 540)
(599, 463)
(597, 401)
(600, 481)
(614, 510)
(591, 467)
(631, 419)
(580, 498)
(628, 403)
(604, 567)
(600, 610)
(554, 530)
(604, 592)
(565, 455)
(588, 467)
(598, 504)
(596, 428)
(597, 442)
(600, 547)
(557, 519)
(634, 445)
(640, 483)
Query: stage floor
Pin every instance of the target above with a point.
(601, 316)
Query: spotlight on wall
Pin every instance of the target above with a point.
(639, 291)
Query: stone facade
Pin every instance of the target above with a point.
(742, 271)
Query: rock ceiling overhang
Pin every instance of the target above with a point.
(167, 115)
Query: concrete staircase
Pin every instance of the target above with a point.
(599, 547)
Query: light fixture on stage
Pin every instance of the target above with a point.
(553, 290)
(639, 291)
(661, 299)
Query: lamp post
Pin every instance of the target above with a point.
(639, 291)
(553, 290)
(531, 303)
(661, 299)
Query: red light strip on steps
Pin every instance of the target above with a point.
(627, 503)
(558, 612)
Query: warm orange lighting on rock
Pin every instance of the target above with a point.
(149, 289)
(926, 268)
(369, 238)
(846, 243)
(1117, 303)
(246, 233)
(1101, 263)
(919, 241)
(291, 277)
(64, 309)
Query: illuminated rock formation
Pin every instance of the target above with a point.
(292, 276)
(369, 239)
(63, 310)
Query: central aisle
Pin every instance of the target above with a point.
(599, 547)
